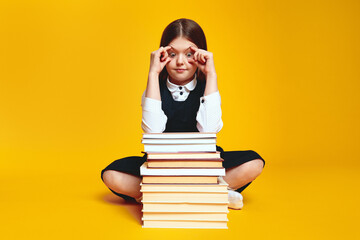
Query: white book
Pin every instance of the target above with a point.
(145, 171)
(185, 216)
(179, 148)
(184, 224)
(181, 206)
(177, 135)
(184, 196)
(179, 141)
(193, 155)
(178, 187)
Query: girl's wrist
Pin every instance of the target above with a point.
(153, 74)
(211, 75)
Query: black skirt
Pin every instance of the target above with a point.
(131, 165)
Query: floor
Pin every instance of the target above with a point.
(70, 88)
(283, 203)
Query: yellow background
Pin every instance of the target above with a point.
(71, 78)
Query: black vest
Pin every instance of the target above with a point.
(181, 116)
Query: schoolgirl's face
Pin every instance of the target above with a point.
(182, 67)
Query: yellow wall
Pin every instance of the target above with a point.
(72, 74)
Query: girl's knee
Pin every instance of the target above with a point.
(111, 178)
(255, 167)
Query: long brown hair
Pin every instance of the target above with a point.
(188, 29)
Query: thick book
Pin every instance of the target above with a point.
(185, 196)
(177, 148)
(184, 224)
(180, 179)
(185, 206)
(219, 216)
(180, 141)
(179, 135)
(145, 171)
(193, 155)
(185, 163)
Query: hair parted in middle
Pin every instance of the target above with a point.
(188, 29)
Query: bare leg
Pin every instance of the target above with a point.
(238, 176)
(123, 183)
(128, 184)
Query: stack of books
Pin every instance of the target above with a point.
(181, 186)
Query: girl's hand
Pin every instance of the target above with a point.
(159, 59)
(204, 60)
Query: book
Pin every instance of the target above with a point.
(179, 135)
(181, 184)
(184, 224)
(145, 171)
(182, 206)
(220, 216)
(185, 163)
(185, 196)
(193, 155)
(220, 187)
(180, 179)
(176, 148)
(179, 141)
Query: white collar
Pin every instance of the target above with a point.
(189, 86)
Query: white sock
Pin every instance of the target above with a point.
(235, 198)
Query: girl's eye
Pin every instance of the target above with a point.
(189, 54)
(172, 54)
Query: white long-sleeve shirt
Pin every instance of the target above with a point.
(208, 116)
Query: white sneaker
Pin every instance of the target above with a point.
(235, 200)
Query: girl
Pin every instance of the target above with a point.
(182, 96)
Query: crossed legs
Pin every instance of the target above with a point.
(129, 184)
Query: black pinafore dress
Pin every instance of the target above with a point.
(181, 117)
